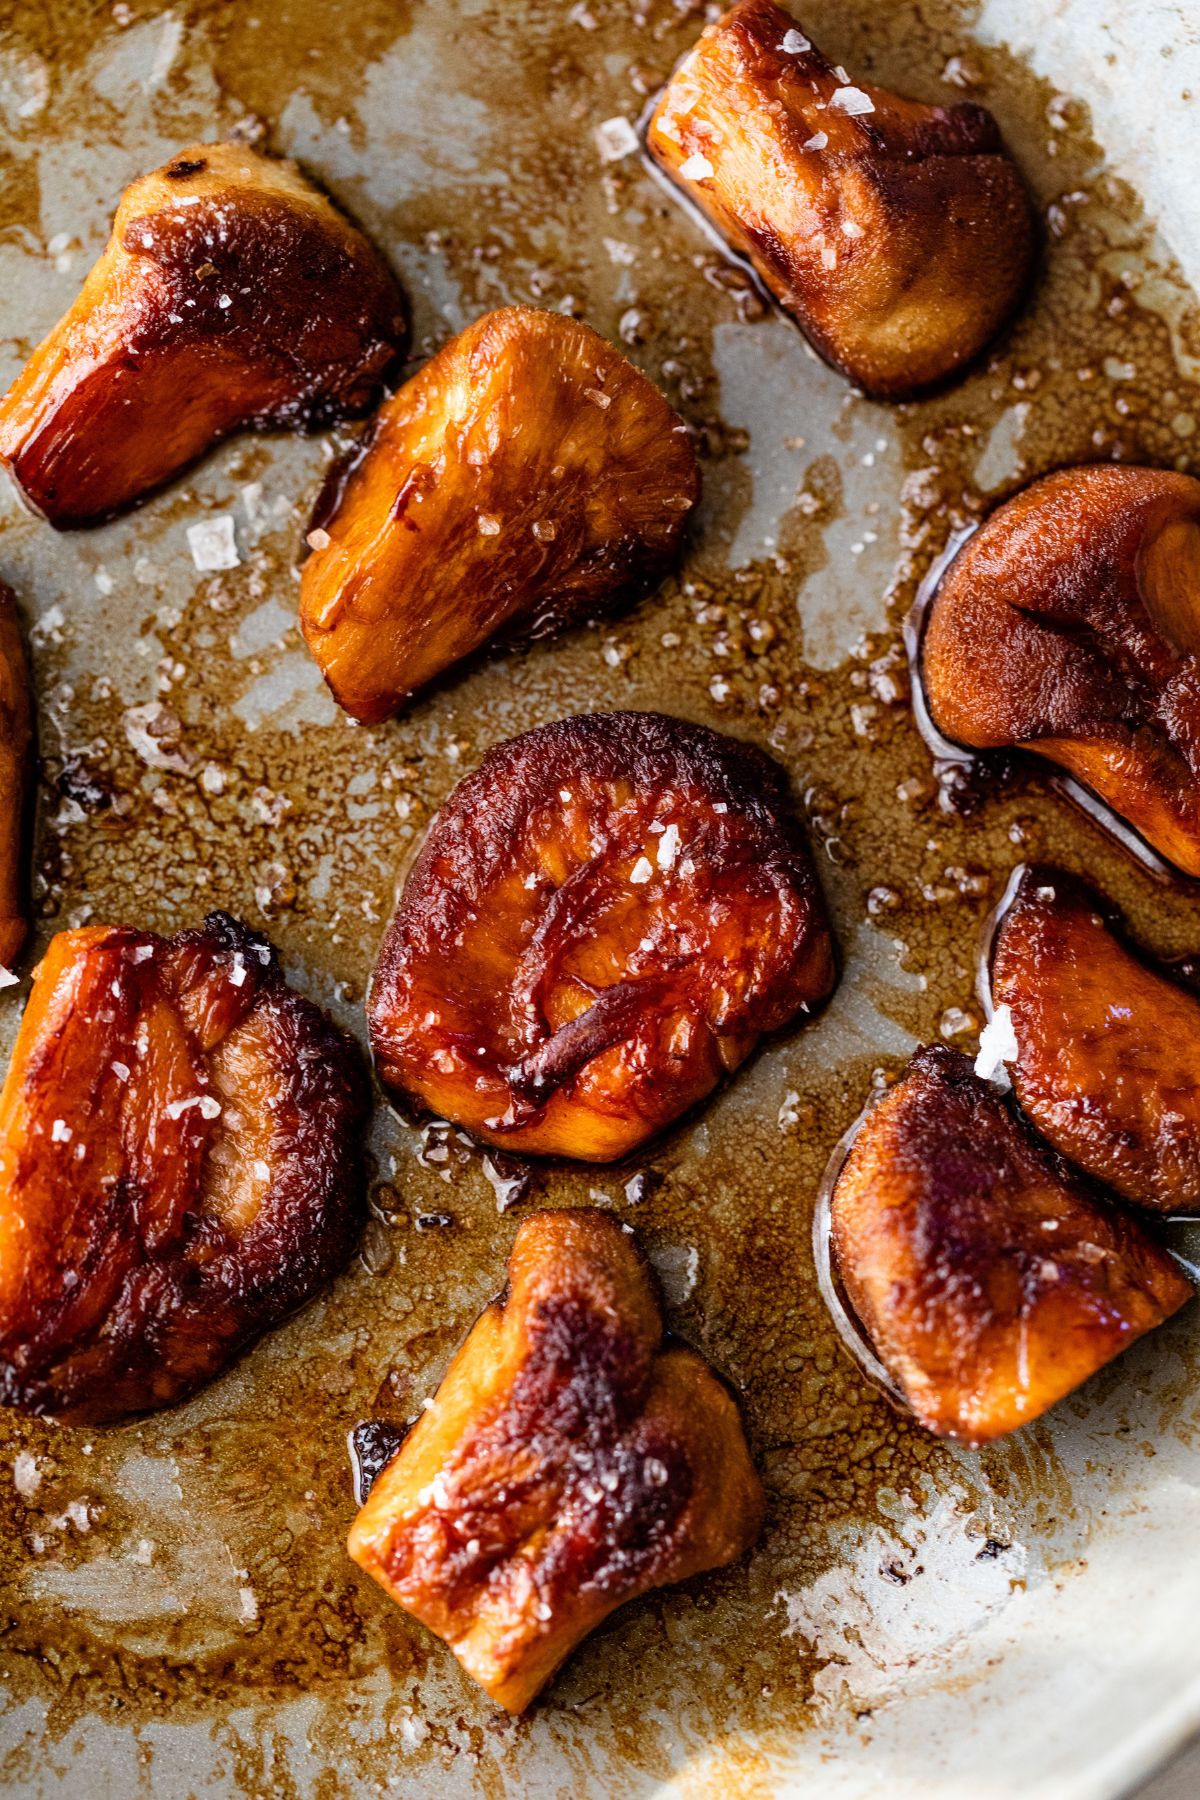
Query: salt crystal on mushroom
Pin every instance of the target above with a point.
(696, 168)
(851, 100)
(997, 1047)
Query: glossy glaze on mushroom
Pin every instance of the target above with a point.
(16, 780)
(604, 919)
(990, 1278)
(527, 478)
(900, 236)
(569, 1462)
(232, 294)
(180, 1165)
(1108, 1044)
(1069, 625)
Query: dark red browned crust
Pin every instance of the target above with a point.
(16, 780)
(1070, 625)
(1108, 1065)
(990, 1278)
(901, 244)
(528, 477)
(531, 989)
(570, 1462)
(232, 294)
(142, 1244)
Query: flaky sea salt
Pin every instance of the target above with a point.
(208, 1107)
(817, 141)
(851, 100)
(318, 539)
(668, 847)
(212, 543)
(696, 168)
(7, 978)
(997, 1046)
(641, 871)
(795, 43)
(615, 138)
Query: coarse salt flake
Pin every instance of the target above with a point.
(318, 539)
(668, 847)
(851, 100)
(487, 525)
(212, 543)
(817, 141)
(60, 1132)
(7, 978)
(641, 871)
(120, 1070)
(696, 168)
(208, 1107)
(615, 139)
(997, 1046)
(795, 43)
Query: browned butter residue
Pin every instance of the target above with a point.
(191, 1567)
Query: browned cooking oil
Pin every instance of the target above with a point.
(191, 1567)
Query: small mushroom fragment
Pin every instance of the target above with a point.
(232, 294)
(990, 1278)
(899, 236)
(16, 769)
(1069, 625)
(1108, 1046)
(570, 1461)
(180, 1144)
(603, 920)
(527, 478)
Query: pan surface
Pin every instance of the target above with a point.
(178, 1614)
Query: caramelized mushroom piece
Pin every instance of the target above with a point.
(570, 1461)
(16, 770)
(990, 1278)
(1069, 625)
(1108, 1046)
(179, 1165)
(899, 236)
(527, 478)
(232, 294)
(603, 920)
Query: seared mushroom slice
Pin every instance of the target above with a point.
(527, 478)
(604, 919)
(1069, 625)
(232, 294)
(179, 1165)
(570, 1461)
(16, 769)
(900, 236)
(1108, 1046)
(990, 1278)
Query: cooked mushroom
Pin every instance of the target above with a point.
(527, 478)
(569, 1462)
(990, 1278)
(604, 919)
(179, 1165)
(900, 236)
(232, 294)
(1108, 1045)
(1069, 625)
(16, 768)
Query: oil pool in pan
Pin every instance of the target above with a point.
(191, 1567)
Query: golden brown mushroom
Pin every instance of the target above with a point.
(16, 769)
(1069, 625)
(570, 1461)
(527, 478)
(900, 236)
(603, 920)
(1108, 1045)
(990, 1279)
(179, 1165)
(232, 294)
